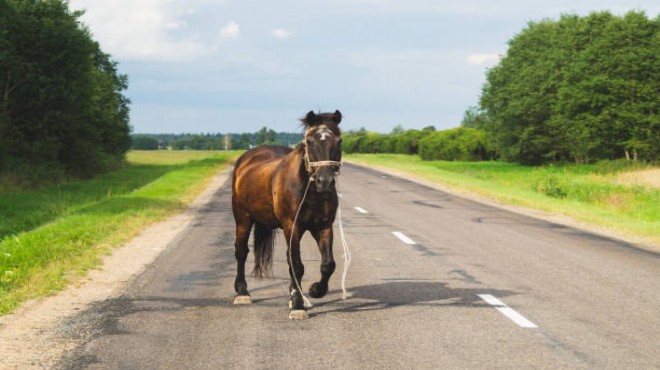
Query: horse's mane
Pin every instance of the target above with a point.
(330, 120)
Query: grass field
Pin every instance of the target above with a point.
(618, 195)
(50, 236)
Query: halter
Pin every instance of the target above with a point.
(313, 166)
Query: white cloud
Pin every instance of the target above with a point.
(230, 31)
(151, 30)
(483, 58)
(281, 33)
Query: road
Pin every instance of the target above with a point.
(436, 281)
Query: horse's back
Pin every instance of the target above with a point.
(252, 182)
(261, 155)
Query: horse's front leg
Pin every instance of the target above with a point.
(296, 267)
(323, 238)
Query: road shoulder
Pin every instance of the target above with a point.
(30, 337)
(563, 220)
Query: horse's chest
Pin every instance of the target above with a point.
(319, 214)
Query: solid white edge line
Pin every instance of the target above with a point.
(361, 210)
(403, 238)
(507, 311)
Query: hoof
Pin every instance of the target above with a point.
(298, 315)
(307, 304)
(316, 292)
(242, 299)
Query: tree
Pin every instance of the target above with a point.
(243, 142)
(474, 118)
(457, 144)
(265, 136)
(408, 141)
(520, 92)
(608, 103)
(398, 129)
(144, 143)
(580, 88)
(62, 109)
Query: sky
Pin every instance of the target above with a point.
(218, 66)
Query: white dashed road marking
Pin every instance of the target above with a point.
(507, 311)
(361, 210)
(403, 238)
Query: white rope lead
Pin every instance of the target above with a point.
(293, 230)
(347, 252)
(315, 166)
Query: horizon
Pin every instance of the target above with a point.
(222, 66)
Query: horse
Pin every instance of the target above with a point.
(276, 187)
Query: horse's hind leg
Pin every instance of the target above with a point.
(243, 228)
(324, 240)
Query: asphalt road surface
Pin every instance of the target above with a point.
(436, 282)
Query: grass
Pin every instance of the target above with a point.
(595, 194)
(51, 236)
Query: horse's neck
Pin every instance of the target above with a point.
(296, 161)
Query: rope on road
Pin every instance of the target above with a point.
(344, 244)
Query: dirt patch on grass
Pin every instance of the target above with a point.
(640, 242)
(650, 178)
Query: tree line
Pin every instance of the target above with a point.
(62, 112)
(576, 89)
(214, 141)
(457, 144)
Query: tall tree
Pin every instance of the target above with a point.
(62, 107)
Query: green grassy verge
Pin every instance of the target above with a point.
(590, 193)
(50, 236)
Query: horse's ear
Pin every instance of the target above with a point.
(311, 119)
(336, 117)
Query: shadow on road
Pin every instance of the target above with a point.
(392, 294)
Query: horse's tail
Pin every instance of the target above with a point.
(264, 243)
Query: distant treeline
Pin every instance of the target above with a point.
(457, 144)
(577, 89)
(214, 141)
(62, 112)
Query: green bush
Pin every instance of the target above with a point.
(351, 143)
(551, 185)
(457, 144)
(372, 143)
(408, 142)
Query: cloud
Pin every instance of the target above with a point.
(483, 58)
(153, 30)
(230, 31)
(281, 33)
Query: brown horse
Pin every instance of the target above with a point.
(272, 188)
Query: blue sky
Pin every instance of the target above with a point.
(239, 65)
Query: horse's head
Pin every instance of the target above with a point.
(322, 148)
